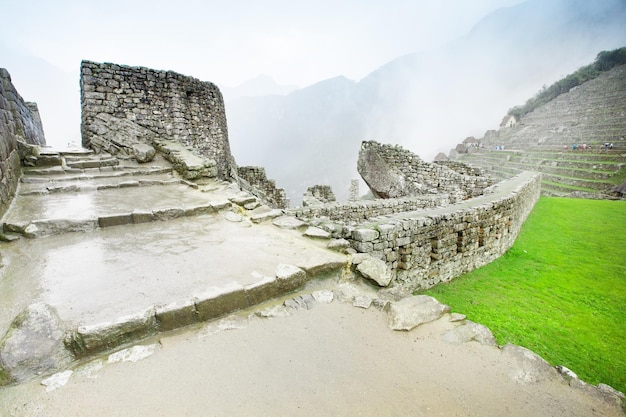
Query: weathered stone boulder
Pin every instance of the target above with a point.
(468, 332)
(410, 312)
(116, 135)
(376, 270)
(528, 367)
(384, 179)
(143, 152)
(33, 345)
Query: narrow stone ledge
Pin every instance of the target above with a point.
(41, 228)
(168, 214)
(176, 314)
(198, 210)
(115, 220)
(102, 337)
(142, 217)
(263, 290)
(218, 301)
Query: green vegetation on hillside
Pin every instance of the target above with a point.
(604, 61)
(559, 291)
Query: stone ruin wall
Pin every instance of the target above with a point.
(425, 241)
(318, 194)
(19, 124)
(433, 246)
(463, 169)
(254, 180)
(392, 172)
(171, 105)
(362, 210)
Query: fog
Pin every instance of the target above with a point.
(306, 82)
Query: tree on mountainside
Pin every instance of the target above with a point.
(604, 61)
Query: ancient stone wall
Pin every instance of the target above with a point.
(463, 168)
(427, 240)
(392, 172)
(171, 105)
(359, 211)
(426, 247)
(254, 180)
(318, 194)
(19, 123)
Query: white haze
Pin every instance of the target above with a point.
(42, 42)
(426, 74)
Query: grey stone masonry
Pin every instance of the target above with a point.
(393, 172)
(173, 106)
(423, 248)
(254, 180)
(19, 123)
(318, 194)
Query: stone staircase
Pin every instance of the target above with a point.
(122, 250)
(79, 191)
(591, 114)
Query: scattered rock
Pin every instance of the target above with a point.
(528, 367)
(263, 213)
(410, 312)
(376, 270)
(362, 301)
(233, 217)
(251, 206)
(57, 380)
(457, 317)
(323, 296)
(288, 222)
(566, 373)
(338, 244)
(468, 332)
(143, 152)
(396, 293)
(345, 293)
(243, 199)
(133, 354)
(301, 302)
(316, 233)
(33, 345)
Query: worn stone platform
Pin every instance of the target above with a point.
(119, 262)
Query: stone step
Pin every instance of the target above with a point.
(94, 183)
(35, 215)
(72, 174)
(119, 285)
(92, 163)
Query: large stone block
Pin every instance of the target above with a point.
(33, 345)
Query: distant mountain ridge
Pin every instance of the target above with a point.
(424, 101)
(263, 85)
(577, 140)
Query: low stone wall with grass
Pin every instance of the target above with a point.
(425, 247)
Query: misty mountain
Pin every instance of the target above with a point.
(262, 85)
(427, 101)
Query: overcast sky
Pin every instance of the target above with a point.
(229, 42)
(226, 42)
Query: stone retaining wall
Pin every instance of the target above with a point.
(171, 105)
(19, 122)
(359, 211)
(426, 247)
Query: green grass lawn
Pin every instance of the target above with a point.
(560, 291)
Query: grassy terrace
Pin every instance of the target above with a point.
(559, 291)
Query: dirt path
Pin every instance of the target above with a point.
(332, 360)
